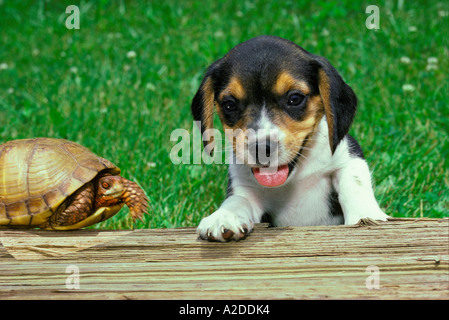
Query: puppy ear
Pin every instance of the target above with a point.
(203, 109)
(339, 101)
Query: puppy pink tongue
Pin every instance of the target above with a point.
(268, 178)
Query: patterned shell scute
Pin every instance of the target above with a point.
(37, 175)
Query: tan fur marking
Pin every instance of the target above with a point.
(286, 82)
(208, 112)
(234, 89)
(315, 104)
(239, 144)
(237, 135)
(324, 86)
(297, 131)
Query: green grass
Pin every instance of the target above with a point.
(80, 85)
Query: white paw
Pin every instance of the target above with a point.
(373, 214)
(224, 225)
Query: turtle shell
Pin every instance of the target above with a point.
(37, 176)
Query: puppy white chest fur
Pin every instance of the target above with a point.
(303, 203)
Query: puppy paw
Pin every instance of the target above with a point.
(366, 217)
(224, 225)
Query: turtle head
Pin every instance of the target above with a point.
(114, 189)
(110, 190)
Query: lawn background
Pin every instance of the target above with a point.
(85, 85)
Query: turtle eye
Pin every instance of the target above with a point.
(105, 185)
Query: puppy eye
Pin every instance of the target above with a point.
(295, 99)
(229, 105)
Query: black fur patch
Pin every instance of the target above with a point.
(267, 218)
(334, 205)
(354, 147)
(229, 190)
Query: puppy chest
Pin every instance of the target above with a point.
(299, 203)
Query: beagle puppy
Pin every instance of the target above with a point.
(299, 167)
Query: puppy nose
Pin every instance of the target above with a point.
(263, 149)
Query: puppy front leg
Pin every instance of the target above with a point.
(355, 193)
(233, 220)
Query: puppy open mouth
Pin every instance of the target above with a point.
(274, 177)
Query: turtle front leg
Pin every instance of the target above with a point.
(135, 198)
(75, 209)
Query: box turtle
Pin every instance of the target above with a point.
(60, 185)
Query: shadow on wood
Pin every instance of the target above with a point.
(402, 258)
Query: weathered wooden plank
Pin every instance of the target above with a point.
(412, 257)
(252, 280)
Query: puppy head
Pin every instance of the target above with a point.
(272, 84)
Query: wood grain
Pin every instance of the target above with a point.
(320, 262)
